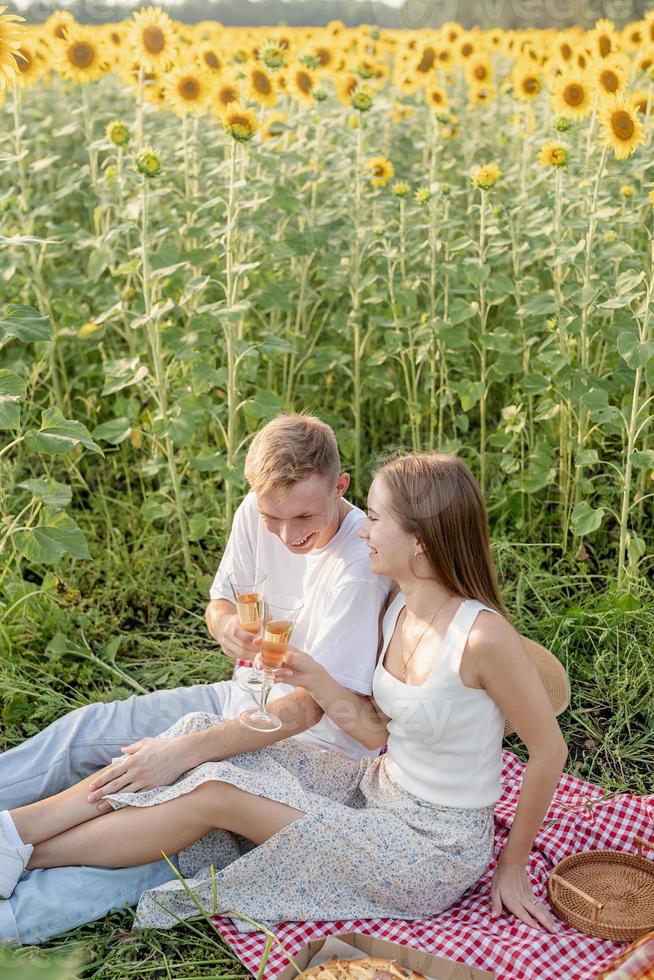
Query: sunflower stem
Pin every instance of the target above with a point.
(564, 347)
(156, 354)
(633, 428)
(229, 331)
(587, 305)
(355, 309)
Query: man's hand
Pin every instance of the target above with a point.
(235, 641)
(148, 763)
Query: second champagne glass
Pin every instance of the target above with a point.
(279, 617)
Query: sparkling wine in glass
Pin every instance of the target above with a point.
(280, 614)
(247, 588)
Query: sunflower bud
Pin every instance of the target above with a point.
(445, 189)
(422, 195)
(319, 95)
(627, 190)
(118, 133)
(486, 177)
(400, 188)
(148, 163)
(562, 124)
(353, 121)
(361, 101)
(273, 56)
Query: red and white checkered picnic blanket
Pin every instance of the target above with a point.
(465, 932)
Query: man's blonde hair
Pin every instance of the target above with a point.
(290, 449)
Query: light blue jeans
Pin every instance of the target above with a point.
(49, 902)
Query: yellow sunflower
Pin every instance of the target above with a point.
(645, 59)
(301, 82)
(633, 35)
(346, 85)
(57, 24)
(187, 89)
(211, 58)
(479, 70)
(620, 128)
(261, 86)
(225, 91)
(11, 37)
(486, 176)
(30, 64)
(151, 36)
(572, 95)
(381, 171)
(78, 57)
(603, 39)
(436, 97)
(481, 94)
(640, 101)
(648, 26)
(240, 123)
(553, 154)
(526, 81)
(611, 76)
(427, 60)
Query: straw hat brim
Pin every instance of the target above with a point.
(553, 675)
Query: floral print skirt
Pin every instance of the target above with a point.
(364, 847)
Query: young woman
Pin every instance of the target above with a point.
(401, 835)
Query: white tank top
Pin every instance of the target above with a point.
(444, 739)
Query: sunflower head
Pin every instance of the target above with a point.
(187, 90)
(361, 100)
(572, 95)
(149, 162)
(486, 176)
(151, 36)
(553, 154)
(381, 170)
(240, 123)
(78, 56)
(261, 86)
(621, 129)
(118, 132)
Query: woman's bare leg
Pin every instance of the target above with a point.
(138, 835)
(37, 822)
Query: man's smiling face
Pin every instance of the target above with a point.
(306, 515)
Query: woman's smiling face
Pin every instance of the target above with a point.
(392, 550)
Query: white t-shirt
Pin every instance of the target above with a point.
(339, 621)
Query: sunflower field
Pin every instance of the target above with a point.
(437, 239)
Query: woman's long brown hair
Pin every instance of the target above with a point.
(435, 497)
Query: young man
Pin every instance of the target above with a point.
(297, 527)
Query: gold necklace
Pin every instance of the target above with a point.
(405, 663)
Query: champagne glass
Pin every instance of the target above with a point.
(247, 588)
(280, 614)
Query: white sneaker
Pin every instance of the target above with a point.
(13, 861)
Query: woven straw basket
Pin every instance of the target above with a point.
(608, 894)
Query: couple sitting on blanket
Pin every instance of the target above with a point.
(310, 821)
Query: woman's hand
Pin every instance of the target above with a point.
(148, 763)
(302, 670)
(511, 890)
